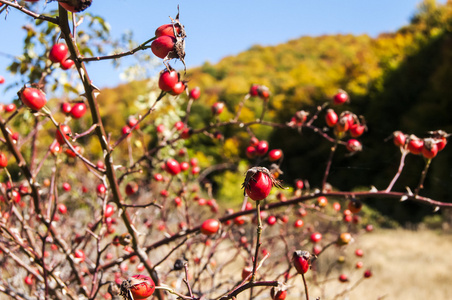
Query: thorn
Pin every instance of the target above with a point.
(410, 193)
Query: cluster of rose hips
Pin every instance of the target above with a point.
(260, 91)
(35, 99)
(169, 41)
(354, 206)
(169, 81)
(298, 119)
(132, 122)
(174, 167)
(8, 108)
(428, 147)
(64, 132)
(258, 148)
(359, 264)
(179, 126)
(346, 122)
(59, 54)
(76, 110)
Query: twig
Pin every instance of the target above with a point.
(423, 175)
(124, 136)
(305, 286)
(326, 247)
(399, 171)
(29, 12)
(328, 165)
(186, 280)
(247, 96)
(143, 46)
(89, 131)
(14, 294)
(171, 252)
(171, 291)
(264, 109)
(250, 284)
(347, 290)
(258, 243)
(316, 114)
(143, 205)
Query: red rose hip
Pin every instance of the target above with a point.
(140, 286)
(163, 45)
(172, 166)
(178, 88)
(331, 118)
(210, 226)
(415, 145)
(195, 93)
(66, 130)
(167, 29)
(78, 110)
(217, 108)
(67, 64)
(168, 79)
(58, 53)
(258, 186)
(399, 138)
(262, 148)
(357, 130)
(3, 160)
(33, 98)
(341, 97)
(275, 155)
(430, 148)
(302, 261)
(316, 237)
(354, 145)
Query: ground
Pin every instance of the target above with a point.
(405, 264)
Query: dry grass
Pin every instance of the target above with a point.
(405, 265)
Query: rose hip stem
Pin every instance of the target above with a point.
(328, 165)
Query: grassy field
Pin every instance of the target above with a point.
(405, 264)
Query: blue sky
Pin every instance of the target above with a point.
(216, 29)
